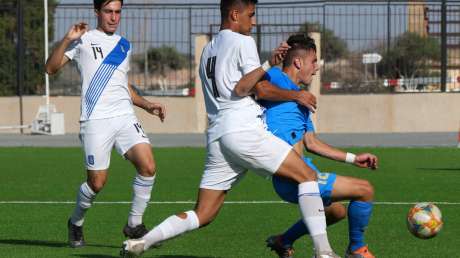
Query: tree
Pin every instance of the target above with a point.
(34, 56)
(8, 49)
(332, 47)
(410, 56)
(163, 59)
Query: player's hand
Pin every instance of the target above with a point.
(156, 109)
(366, 160)
(307, 100)
(279, 54)
(76, 31)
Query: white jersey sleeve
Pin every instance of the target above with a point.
(73, 51)
(248, 59)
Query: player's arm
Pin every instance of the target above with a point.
(248, 81)
(315, 145)
(57, 59)
(265, 90)
(156, 109)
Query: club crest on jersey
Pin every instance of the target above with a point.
(90, 159)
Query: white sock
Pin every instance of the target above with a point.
(171, 227)
(312, 209)
(142, 188)
(85, 199)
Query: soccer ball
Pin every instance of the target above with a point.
(424, 220)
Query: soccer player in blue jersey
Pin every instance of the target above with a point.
(292, 123)
(107, 116)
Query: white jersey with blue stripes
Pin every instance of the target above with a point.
(103, 62)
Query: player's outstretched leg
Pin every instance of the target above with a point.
(142, 158)
(173, 226)
(206, 209)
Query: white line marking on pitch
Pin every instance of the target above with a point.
(193, 202)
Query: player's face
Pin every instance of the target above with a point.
(309, 67)
(108, 18)
(247, 19)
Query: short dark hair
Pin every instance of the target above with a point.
(98, 4)
(227, 5)
(298, 43)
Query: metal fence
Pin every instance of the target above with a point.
(161, 37)
(408, 36)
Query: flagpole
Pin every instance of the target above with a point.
(47, 82)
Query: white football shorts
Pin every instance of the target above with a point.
(99, 136)
(230, 156)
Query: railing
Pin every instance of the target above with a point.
(163, 44)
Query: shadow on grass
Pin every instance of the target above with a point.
(440, 169)
(183, 256)
(55, 244)
(146, 255)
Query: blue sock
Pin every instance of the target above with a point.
(295, 232)
(359, 214)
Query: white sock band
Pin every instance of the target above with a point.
(310, 187)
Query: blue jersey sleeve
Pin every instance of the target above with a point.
(285, 119)
(276, 77)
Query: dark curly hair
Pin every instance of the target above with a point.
(298, 43)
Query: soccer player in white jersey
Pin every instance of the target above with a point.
(236, 138)
(107, 116)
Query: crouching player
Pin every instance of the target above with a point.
(291, 122)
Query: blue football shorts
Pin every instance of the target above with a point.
(288, 190)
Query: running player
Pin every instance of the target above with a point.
(236, 138)
(107, 116)
(291, 122)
